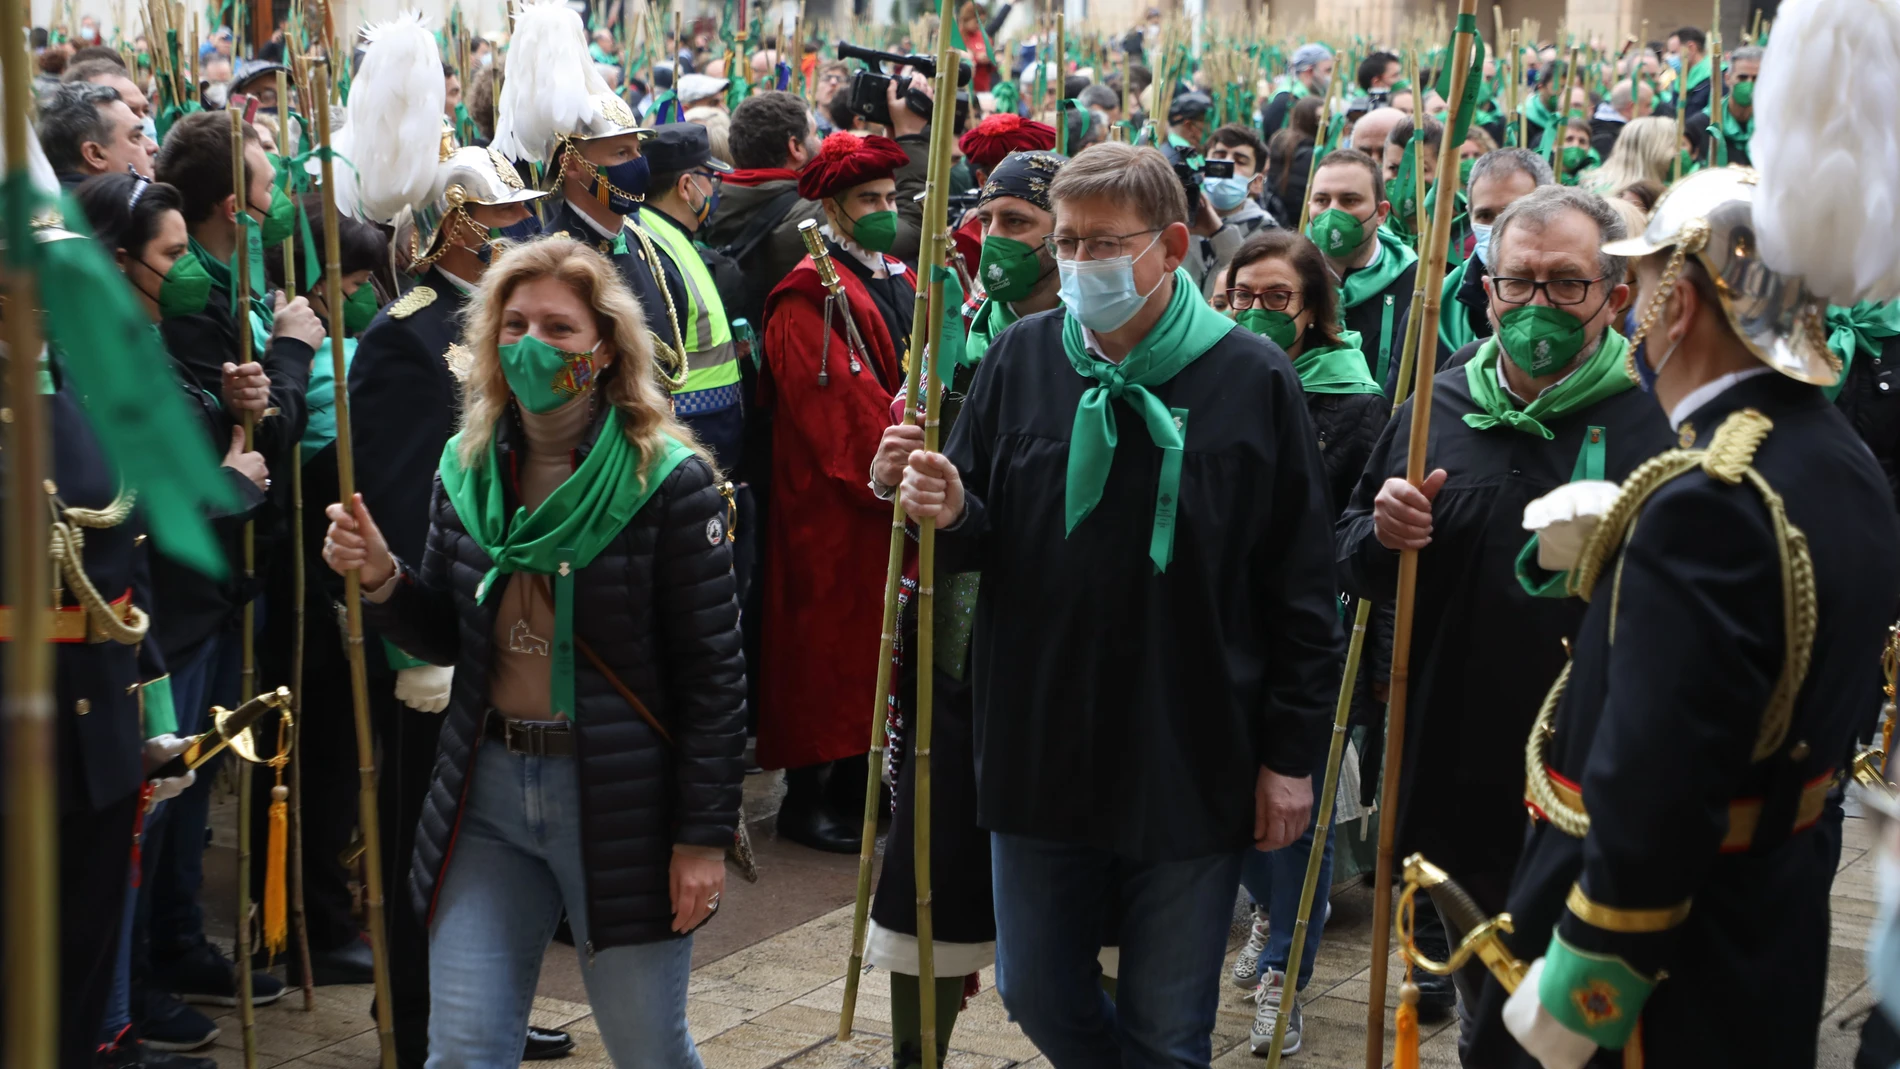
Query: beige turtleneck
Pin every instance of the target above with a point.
(521, 674)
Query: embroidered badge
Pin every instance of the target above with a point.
(1597, 1003)
(715, 531)
(576, 374)
(1686, 436)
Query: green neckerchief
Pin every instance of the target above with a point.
(990, 319)
(1601, 375)
(1454, 325)
(1336, 369)
(320, 398)
(1736, 134)
(1697, 75)
(1185, 330)
(262, 318)
(565, 534)
(1368, 282)
(1538, 113)
(1853, 329)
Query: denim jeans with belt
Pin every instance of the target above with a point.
(1056, 903)
(515, 865)
(1274, 880)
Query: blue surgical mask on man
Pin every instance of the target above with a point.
(1482, 248)
(1101, 293)
(1226, 193)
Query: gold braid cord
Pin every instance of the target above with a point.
(1729, 458)
(66, 544)
(674, 354)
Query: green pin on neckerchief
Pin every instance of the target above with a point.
(1185, 330)
(1599, 376)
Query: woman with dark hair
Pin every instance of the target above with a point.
(1278, 285)
(141, 223)
(1290, 161)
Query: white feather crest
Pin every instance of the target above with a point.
(393, 135)
(551, 80)
(1829, 162)
(38, 170)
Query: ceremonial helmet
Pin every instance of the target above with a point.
(465, 178)
(1710, 215)
(554, 94)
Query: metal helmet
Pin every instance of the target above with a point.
(466, 177)
(1710, 215)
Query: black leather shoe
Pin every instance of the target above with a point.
(351, 963)
(813, 826)
(545, 1043)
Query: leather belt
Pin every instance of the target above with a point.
(70, 623)
(531, 738)
(1744, 814)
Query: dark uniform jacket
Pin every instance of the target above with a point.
(1870, 399)
(1117, 707)
(1658, 725)
(1483, 651)
(645, 278)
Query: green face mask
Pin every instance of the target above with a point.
(359, 308)
(1338, 233)
(1009, 269)
(875, 231)
(1575, 156)
(1464, 173)
(1277, 327)
(280, 220)
(184, 289)
(1743, 94)
(542, 377)
(1540, 339)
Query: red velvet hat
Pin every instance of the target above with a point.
(846, 160)
(985, 144)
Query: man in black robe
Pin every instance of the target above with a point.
(1543, 402)
(1156, 640)
(1346, 213)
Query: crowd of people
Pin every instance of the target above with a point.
(626, 358)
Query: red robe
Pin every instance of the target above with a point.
(827, 541)
(969, 239)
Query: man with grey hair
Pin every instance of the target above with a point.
(1312, 73)
(1738, 114)
(86, 129)
(1615, 113)
(114, 74)
(1156, 627)
(1102, 98)
(1498, 179)
(1543, 402)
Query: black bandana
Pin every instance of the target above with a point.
(1026, 175)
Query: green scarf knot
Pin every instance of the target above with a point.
(1856, 329)
(1185, 330)
(565, 534)
(1599, 376)
(1368, 282)
(1337, 369)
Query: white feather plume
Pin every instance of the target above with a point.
(393, 133)
(551, 79)
(38, 170)
(1829, 160)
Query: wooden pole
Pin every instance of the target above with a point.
(1710, 155)
(1432, 277)
(1563, 119)
(353, 603)
(241, 279)
(31, 995)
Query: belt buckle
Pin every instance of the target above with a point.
(534, 734)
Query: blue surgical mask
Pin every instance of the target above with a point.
(150, 126)
(1226, 193)
(526, 230)
(1482, 250)
(1101, 294)
(1675, 62)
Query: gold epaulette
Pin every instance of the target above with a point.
(412, 302)
(1729, 458)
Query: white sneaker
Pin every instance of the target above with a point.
(1267, 1016)
(1246, 973)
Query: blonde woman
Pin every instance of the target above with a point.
(1645, 149)
(577, 576)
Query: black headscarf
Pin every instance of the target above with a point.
(1026, 175)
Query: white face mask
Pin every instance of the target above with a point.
(1482, 249)
(1101, 293)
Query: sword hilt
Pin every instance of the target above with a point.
(1478, 935)
(226, 725)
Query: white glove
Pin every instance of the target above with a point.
(426, 688)
(1564, 519)
(158, 750)
(1542, 1036)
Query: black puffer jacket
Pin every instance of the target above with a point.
(1348, 425)
(658, 606)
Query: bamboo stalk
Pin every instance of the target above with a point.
(30, 997)
(1715, 100)
(353, 604)
(1563, 119)
(241, 279)
(1432, 277)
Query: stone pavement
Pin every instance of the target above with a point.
(768, 983)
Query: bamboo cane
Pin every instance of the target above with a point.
(31, 1007)
(1715, 136)
(241, 280)
(1563, 119)
(1432, 272)
(353, 602)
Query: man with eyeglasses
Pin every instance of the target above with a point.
(1737, 126)
(1155, 649)
(1544, 401)
(1375, 268)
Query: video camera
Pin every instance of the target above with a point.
(870, 87)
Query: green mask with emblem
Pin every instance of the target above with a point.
(1337, 232)
(280, 220)
(542, 377)
(1009, 269)
(1540, 339)
(1276, 327)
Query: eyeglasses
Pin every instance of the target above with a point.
(1272, 300)
(1102, 247)
(1561, 292)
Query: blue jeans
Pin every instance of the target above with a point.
(516, 863)
(1057, 903)
(207, 676)
(1274, 880)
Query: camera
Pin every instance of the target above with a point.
(870, 87)
(1379, 98)
(1217, 169)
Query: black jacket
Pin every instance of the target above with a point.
(658, 606)
(1659, 728)
(1368, 317)
(644, 278)
(1347, 426)
(1870, 400)
(1696, 131)
(1117, 707)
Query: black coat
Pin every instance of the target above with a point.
(1483, 651)
(1119, 708)
(1368, 318)
(1659, 730)
(658, 606)
(642, 276)
(1870, 400)
(1696, 130)
(1346, 426)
